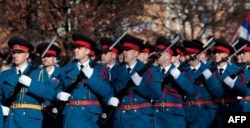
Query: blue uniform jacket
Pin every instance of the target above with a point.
(88, 89)
(35, 94)
(239, 89)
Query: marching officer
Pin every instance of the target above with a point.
(245, 58)
(26, 110)
(83, 108)
(178, 59)
(206, 89)
(232, 87)
(169, 109)
(109, 58)
(52, 72)
(135, 109)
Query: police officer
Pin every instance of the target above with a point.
(245, 58)
(232, 87)
(53, 73)
(200, 108)
(26, 110)
(169, 109)
(83, 108)
(109, 58)
(135, 109)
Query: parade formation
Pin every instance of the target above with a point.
(174, 83)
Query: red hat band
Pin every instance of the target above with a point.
(112, 50)
(222, 49)
(83, 43)
(130, 45)
(247, 48)
(146, 50)
(20, 47)
(51, 52)
(192, 50)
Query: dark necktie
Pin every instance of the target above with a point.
(163, 70)
(19, 72)
(81, 67)
(194, 70)
(221, 70)
(129, 69)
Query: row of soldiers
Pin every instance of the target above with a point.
(165, 85)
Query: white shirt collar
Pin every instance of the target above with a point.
(84, 64)
(22, 69)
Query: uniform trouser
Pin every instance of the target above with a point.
(132, 119)
(199, 118)
(169, 120)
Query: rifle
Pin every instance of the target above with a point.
(93, 63)
(214, 66)
(8, 102)
(59, 105)
(105, 116)
(208, 45)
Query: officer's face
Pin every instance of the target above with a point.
(143, 56)
(20, 57)
(165, 59)
(245, 57)
(129, 55)
(49, 61)
(107, 57)
(175, 59)
(81, 53)
(219, 56)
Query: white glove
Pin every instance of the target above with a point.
(136, 78)
(63, 96)
(113, 101)
(88, 71)
(25, 80)
(175, 72)
(207, 74)
(229, 81)
(5, 110)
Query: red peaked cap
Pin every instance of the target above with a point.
(18, 43)
(53, 50)
(148, 48)
(222, 46)
(129, 42)
(163, 43)
(107, 42)
(83, 41)
(241, 43)
(191, 47)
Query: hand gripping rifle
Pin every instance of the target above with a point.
(201, 78)
(105, 116)
(208, 45)
(59, 105)
(8, 102)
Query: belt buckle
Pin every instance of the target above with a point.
(222, 100)
(127, 107)
(190, 103)
(77, 102)
(162, 104)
